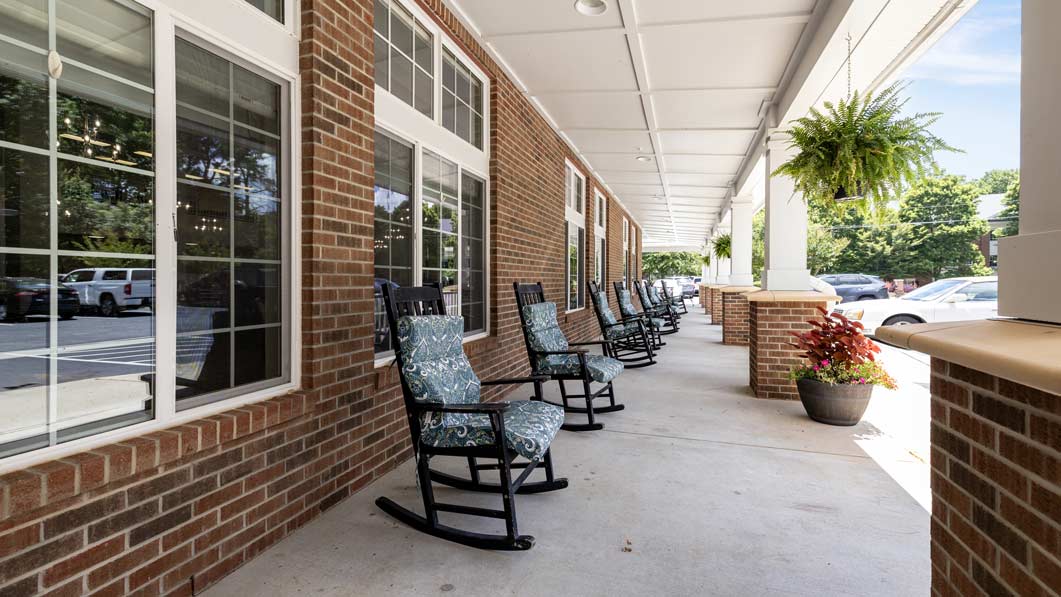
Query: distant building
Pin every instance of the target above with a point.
(990, 209)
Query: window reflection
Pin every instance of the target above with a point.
(104, 210)
(393, 226)
(24, 189)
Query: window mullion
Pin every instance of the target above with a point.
(53, 241)
(418, 214)
(165, 309)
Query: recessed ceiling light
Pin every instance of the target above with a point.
(591, 8)
(643, 158)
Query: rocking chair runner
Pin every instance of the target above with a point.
(657, 308)
(623, 339)
(446, 418)
(654, 325)
(676, 301)
(552, 355)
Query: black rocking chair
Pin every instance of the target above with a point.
(654, 325)
(550, 354)
(677, 301)
(627, 341)
(667, 313)
(446, 418)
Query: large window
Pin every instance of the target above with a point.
(600, 239)
(462, 100)
(575, 227)
(143, 235)
(404, 56)
(473, 253)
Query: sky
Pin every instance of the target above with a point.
(972, 76)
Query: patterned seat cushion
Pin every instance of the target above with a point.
(529, 429)
(436, 370)
(622, 331)
(602, 369)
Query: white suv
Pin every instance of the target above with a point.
(112, 290)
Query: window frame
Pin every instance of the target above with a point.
(244, 35)
(600, 237)
(577, 218)
(626, 253)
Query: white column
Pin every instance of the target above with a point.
(723, 271)
(741, 220)
(1029, 282)
(712, 275)
(786, 223)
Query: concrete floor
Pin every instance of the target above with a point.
(697, 488)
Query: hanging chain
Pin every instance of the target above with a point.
(848, 66)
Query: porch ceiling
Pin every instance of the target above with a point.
(682, 85)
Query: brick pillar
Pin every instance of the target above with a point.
(735, 314)
(705, 298)
(772, 316)
(716, 305)
(996, 485)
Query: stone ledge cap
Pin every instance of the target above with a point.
(791, 296)
(1024, 352)
(740, 289)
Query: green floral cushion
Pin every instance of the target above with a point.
(530, 427)
(544, 333)
(602, 369)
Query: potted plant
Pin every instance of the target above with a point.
(861, 146)
(836, 382)
(723, 246)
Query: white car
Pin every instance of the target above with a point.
(950, 299)
(111, 290)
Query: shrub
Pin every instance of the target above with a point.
(837, 352)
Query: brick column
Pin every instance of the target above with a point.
(996, 485)
(772, 316)
(716, 304)
(735, 314)
(705, 298)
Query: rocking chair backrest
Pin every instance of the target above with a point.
(626, 302)
(541, 330)
(653, 294)
(605, 316)
(646, 302)
(431, 362)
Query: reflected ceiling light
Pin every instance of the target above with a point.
(591, 8)
(643, 158)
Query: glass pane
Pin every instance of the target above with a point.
(24, 303)
(273, 8)
(380, 50)
(257, 292)
(102, 209)
(259, 353)
(23, 199)
(257, 228)
(100, 119)
(477, 96)
(393, 239)
(256, 163)
(108, 35)
(107, 353)
(464, 85)
(431, 249)
(449, 111)
(424, 51)
(477, 131)
(25, 20)
(202, 221)
(202, 148)
(402, 24)
(449, 72)
(425, 93)
(463, 126)
(203, 295)
(449, 251)
(23, 96)
(379, 17)
(202, 78)
(255, 101)
(203, 364)
(402, 77)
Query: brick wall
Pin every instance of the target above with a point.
(770, 354)
(996, 485)
(716, 306)
(175, 510)
(734, 318)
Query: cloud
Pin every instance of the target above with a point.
(982, 49)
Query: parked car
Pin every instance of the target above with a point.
(20, 297)
(951, 299)
(697, 281)
(112, 290)
(856, 287)
(676, 286)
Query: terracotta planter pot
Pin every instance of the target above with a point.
(841, 404)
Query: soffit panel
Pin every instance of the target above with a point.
(596, 110)
(578, 61)
(612, 141)
(702, 163)
(495, 17)
(708, 109)
(651, 12)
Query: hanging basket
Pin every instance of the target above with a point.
(842, 195)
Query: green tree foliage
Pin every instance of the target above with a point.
(676, 263)
(943, 228)
(823, 250)
(1011, 210)
(758, 245)
(998, 181)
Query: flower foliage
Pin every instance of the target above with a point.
(862, 144)
(723, 245)
(837, 352)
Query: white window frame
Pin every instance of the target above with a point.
(576, 217)
(626, 253)
(251, 38)
(401, 120)
(600, 236)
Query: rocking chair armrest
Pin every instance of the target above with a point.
(516, 380)
(587, 343)
(613, 325)
(551, 352)
(482, 408)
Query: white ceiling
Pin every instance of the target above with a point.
(679, 82)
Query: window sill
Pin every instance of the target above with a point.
(569, 311)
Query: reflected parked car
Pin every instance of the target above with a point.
(856, 287)
(20, 297)
(111, 290)
(951, 299)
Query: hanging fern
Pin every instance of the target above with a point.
(723, 246)
(705, 260)
(861, 146)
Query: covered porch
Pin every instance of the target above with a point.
(696, 488)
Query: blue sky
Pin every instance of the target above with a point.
(972, 75)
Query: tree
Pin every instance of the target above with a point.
(943, 227)
(677, 263)
(823, 249)
(758, 245)
(998, 181)
(1011, 210)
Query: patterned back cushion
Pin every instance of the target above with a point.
(653, 295)
(646, 302)
(433, 362)
(626, 304)
(605, 309)
(543, 331)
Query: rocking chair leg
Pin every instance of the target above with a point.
(508, 497)
(563, 392)
(589, 399)
(423, 473)
(472, 471)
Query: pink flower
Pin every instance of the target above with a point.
(862, 380)
(825, 363)
(815, 367)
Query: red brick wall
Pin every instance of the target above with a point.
(716, 306)
(770, 354)
(734, 318)
(176, 510)
(996, 485)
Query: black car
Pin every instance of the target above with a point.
(20, 297)
(856, 287)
